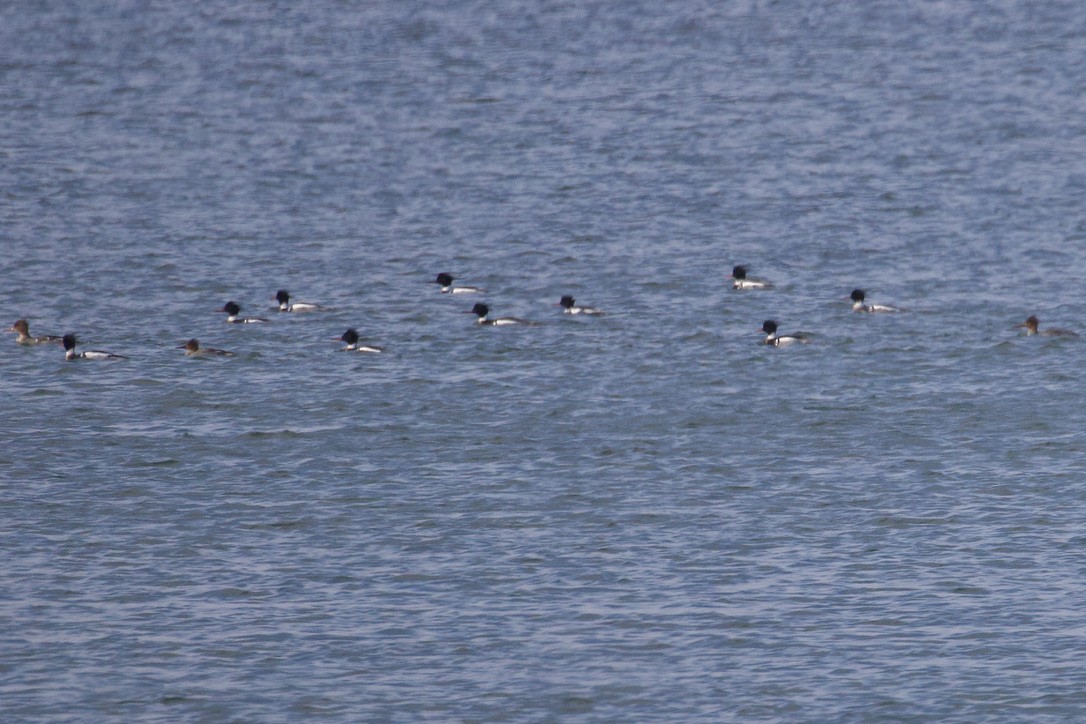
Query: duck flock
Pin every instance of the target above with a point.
(356, 343)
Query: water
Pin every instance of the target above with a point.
(646, 516)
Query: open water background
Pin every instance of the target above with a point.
(646, 516)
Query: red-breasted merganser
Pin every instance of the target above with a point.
(740, 281)
(233, 310)
(445, 280)
(1031, 328)
(352, 338)
(569, 306)
(193, 349)
(283, 297)
(23, 328)
(772, 338)
(482, 312)
(70, 342)
(858, 305)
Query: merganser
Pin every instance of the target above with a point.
(352, 338)
(23, 328)
(70, 342)
(1031, 329)
(569, 306)
(445, 280)
(482, 311)
(858, 305)
(740, 281)
(193, 349)
(770, 329)
(233, 310)
(283, 297)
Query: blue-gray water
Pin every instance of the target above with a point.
(645, 516)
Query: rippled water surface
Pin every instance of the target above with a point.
(643, 516)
